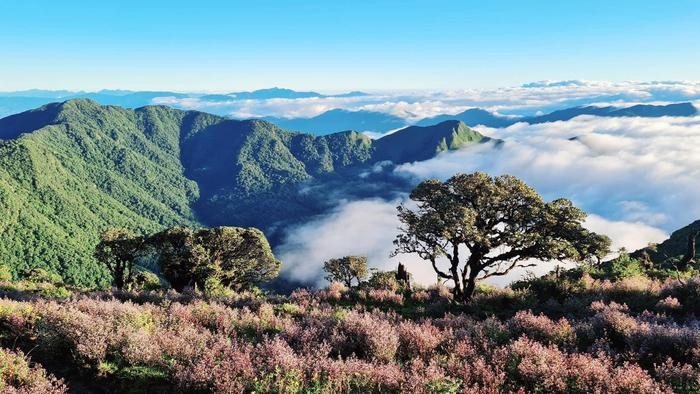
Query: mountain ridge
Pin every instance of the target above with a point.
(340, 119)
(69, 170)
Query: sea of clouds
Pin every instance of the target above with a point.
(637, 177)
(528, 99)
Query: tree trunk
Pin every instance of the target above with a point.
(119, 276)
(690, 253)
(470, 286)
(454, 270)
(457, 290)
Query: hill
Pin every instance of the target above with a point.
(641, 110)
(69, 170)
(673, 249)
(417, 143)
(80, 168)
(472, 117)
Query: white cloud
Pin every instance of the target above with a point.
(630, 235)
(642, 170)
(365, 228)
(637, 177)
(526, 99)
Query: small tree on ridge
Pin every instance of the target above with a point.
(346, 269)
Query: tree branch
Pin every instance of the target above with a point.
(510, 268)
(441, 274)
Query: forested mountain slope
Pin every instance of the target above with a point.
(69, 170)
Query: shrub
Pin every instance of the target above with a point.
(346, 269)
(385, 296)
(5, 273)
(624, 266)
(333, 292)
(419, 340)
(542, 329)
(146, 280)
(683, 378)
(17, 376)
(368, 336)
(384, 280)
(227, 367)
(40, 275)
(668, 304)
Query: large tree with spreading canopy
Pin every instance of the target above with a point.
(487, 226)
(237, 258)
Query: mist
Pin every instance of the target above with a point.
(636, 177)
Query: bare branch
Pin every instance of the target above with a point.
(507, 270)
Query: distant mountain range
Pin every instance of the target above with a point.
(15, 102)
(273, 93)
(69, 170)
(331, 121)
(338, 120)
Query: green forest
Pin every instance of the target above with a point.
(69, 171)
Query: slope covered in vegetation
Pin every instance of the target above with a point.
(70, 170)
(557, 334)
(79, 169)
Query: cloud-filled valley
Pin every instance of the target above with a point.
(636, 177)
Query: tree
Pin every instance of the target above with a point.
(117, 250)
(690, 252)
(5, 273)
(383, 280)
(487, 227)
(345, 269)
(234, 257)
(403, 277)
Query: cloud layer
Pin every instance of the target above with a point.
(637, 177)
(527, 99)
(625, 169)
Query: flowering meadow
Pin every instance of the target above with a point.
(548, 335)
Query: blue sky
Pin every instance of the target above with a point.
(341, 45)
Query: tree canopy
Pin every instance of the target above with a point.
(487, 226)
(234, 257)
(346, 269)
(117, 250)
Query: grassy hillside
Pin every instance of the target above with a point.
(556, 334)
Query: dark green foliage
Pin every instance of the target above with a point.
(346, 270)
(232, 257)
(421, 143)
(501, 222)
(88, 168)
(118, 250)
(39, 275)
(623, 266)
(70, 170)
(5, 273)
(383, 280)
(671, 252)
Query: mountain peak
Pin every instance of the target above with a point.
(416, 143)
